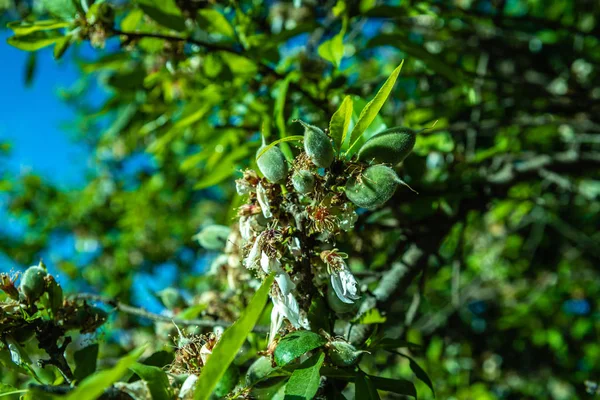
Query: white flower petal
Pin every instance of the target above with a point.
(345, 286)
(252, 258)
(276, 322)
(265, 263)
(284, 282)
(263, 200)
(245, 228)
(205, 353)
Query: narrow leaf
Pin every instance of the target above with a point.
(276, 142)
(33, 41)
(365, 389)
(225, 170)
(304, 382)
(22, 28)
(338, 126)
(156, 378)
(368, 114)
(400, 386)
(418, 371)
(93, 386)
(230, 343)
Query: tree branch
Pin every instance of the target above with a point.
(140, 312)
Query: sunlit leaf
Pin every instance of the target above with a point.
(94, 385)
(304, 382)
(332, 50)
(231, 341)
(34, 41)
(165, 12)
(22, 28)
(340, 121)
(157, 380)
(370, 111)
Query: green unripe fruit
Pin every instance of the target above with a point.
(337, 305)
(317, 145)
(373, 188)
(171, 298)
(272, 164)
(303, 181)
(390, 146)
(213, 237)
(343, 354)
(33, 283)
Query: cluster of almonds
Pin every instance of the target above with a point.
(290, 222)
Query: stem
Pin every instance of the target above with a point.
(140, 312)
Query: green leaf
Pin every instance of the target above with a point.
(156, 378)
(34, 41)
(391, 343)
(418, 371)
(296, 344)
(332, 50)
(94, 385)
(7, 390)
(338, 126)
(370, 111)
(372, 316)
(164, 12)
(304, 382)
(230, 342)
(365, 389)
(85, 361)
(63, 9)
(22, 28)
(61, 46)
(276, 142)
(400, 386)
(225, 170)
(216, 22)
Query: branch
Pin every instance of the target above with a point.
(140, 312)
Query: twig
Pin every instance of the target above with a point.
(140, 312)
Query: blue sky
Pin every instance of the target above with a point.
(31, 117)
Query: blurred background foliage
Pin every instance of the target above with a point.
(171, 103)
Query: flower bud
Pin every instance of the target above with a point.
(303, 181)
(33, 283)
(343, 354)
(272, 164)
(390, 146)
(213, 237)
(373, 188)
(317, 145)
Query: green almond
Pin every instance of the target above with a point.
(373, 188)
(318, 146)
(303, 181)
(272, 164)
(390, 146)
(33, 283)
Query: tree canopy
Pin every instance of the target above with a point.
(240, 163)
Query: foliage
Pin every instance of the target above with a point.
(485, 279)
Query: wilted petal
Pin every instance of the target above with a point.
(284, 282)
(345, 286)
(263, 200)
(295, 247)
(245, 228)
(254, 254)
(205, 353)
(242, 187)
(276, 321)
(265, 262)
